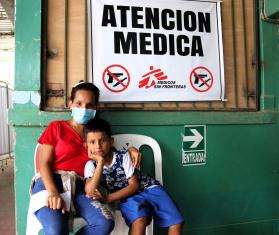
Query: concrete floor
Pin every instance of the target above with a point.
(7, 206)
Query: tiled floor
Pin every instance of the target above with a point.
(7, 206)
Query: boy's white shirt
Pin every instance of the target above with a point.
(126, 164)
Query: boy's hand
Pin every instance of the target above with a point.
(96, 195)
(107, 199)
(96, 158)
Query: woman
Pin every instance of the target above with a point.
(62, 162)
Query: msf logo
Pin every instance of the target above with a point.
(151, 78)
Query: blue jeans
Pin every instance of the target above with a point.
(54, 222)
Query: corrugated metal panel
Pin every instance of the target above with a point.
(66, 58)
(6, 136)
(9, 6)
(6, 26)
(7, 59)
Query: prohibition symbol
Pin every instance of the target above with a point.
(201, 79)
(116, 78)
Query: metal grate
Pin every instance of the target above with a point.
(6, 140)
(6, 26)
(67, 58)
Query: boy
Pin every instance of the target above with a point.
(140, 196)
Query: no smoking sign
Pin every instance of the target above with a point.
(201, 79)
(116, 78)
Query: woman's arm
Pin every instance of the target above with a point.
(125, 192)
(135, 156)
(46, 162)
(92, 183)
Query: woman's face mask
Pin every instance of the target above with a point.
(83, 115)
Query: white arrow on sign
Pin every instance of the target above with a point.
(197, 138)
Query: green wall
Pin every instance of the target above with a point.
(234, 193)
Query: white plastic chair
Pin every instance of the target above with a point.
(121, 141)
(34, 227)
(124, 141)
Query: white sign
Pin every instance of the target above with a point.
(160, 50)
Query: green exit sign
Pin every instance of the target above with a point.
(194, 145)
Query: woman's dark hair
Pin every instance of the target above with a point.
(98, 125)
(88, 86)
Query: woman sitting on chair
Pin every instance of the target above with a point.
(62, 161)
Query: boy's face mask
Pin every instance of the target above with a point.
(82, 115)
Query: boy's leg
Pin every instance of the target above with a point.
(175, 229)
(138, 227)
(97, 215)
(166, 214)
(137, 213)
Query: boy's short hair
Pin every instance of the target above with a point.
(98, 125)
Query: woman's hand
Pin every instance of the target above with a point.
(135, 156)
(55, 202)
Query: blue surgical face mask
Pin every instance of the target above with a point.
(82, 115)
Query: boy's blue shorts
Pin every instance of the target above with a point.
(154, 202)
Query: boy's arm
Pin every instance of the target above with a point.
(92, 183)
(125, 192)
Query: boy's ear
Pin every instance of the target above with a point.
(111, 141)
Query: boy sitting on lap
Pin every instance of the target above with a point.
(141, 197)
